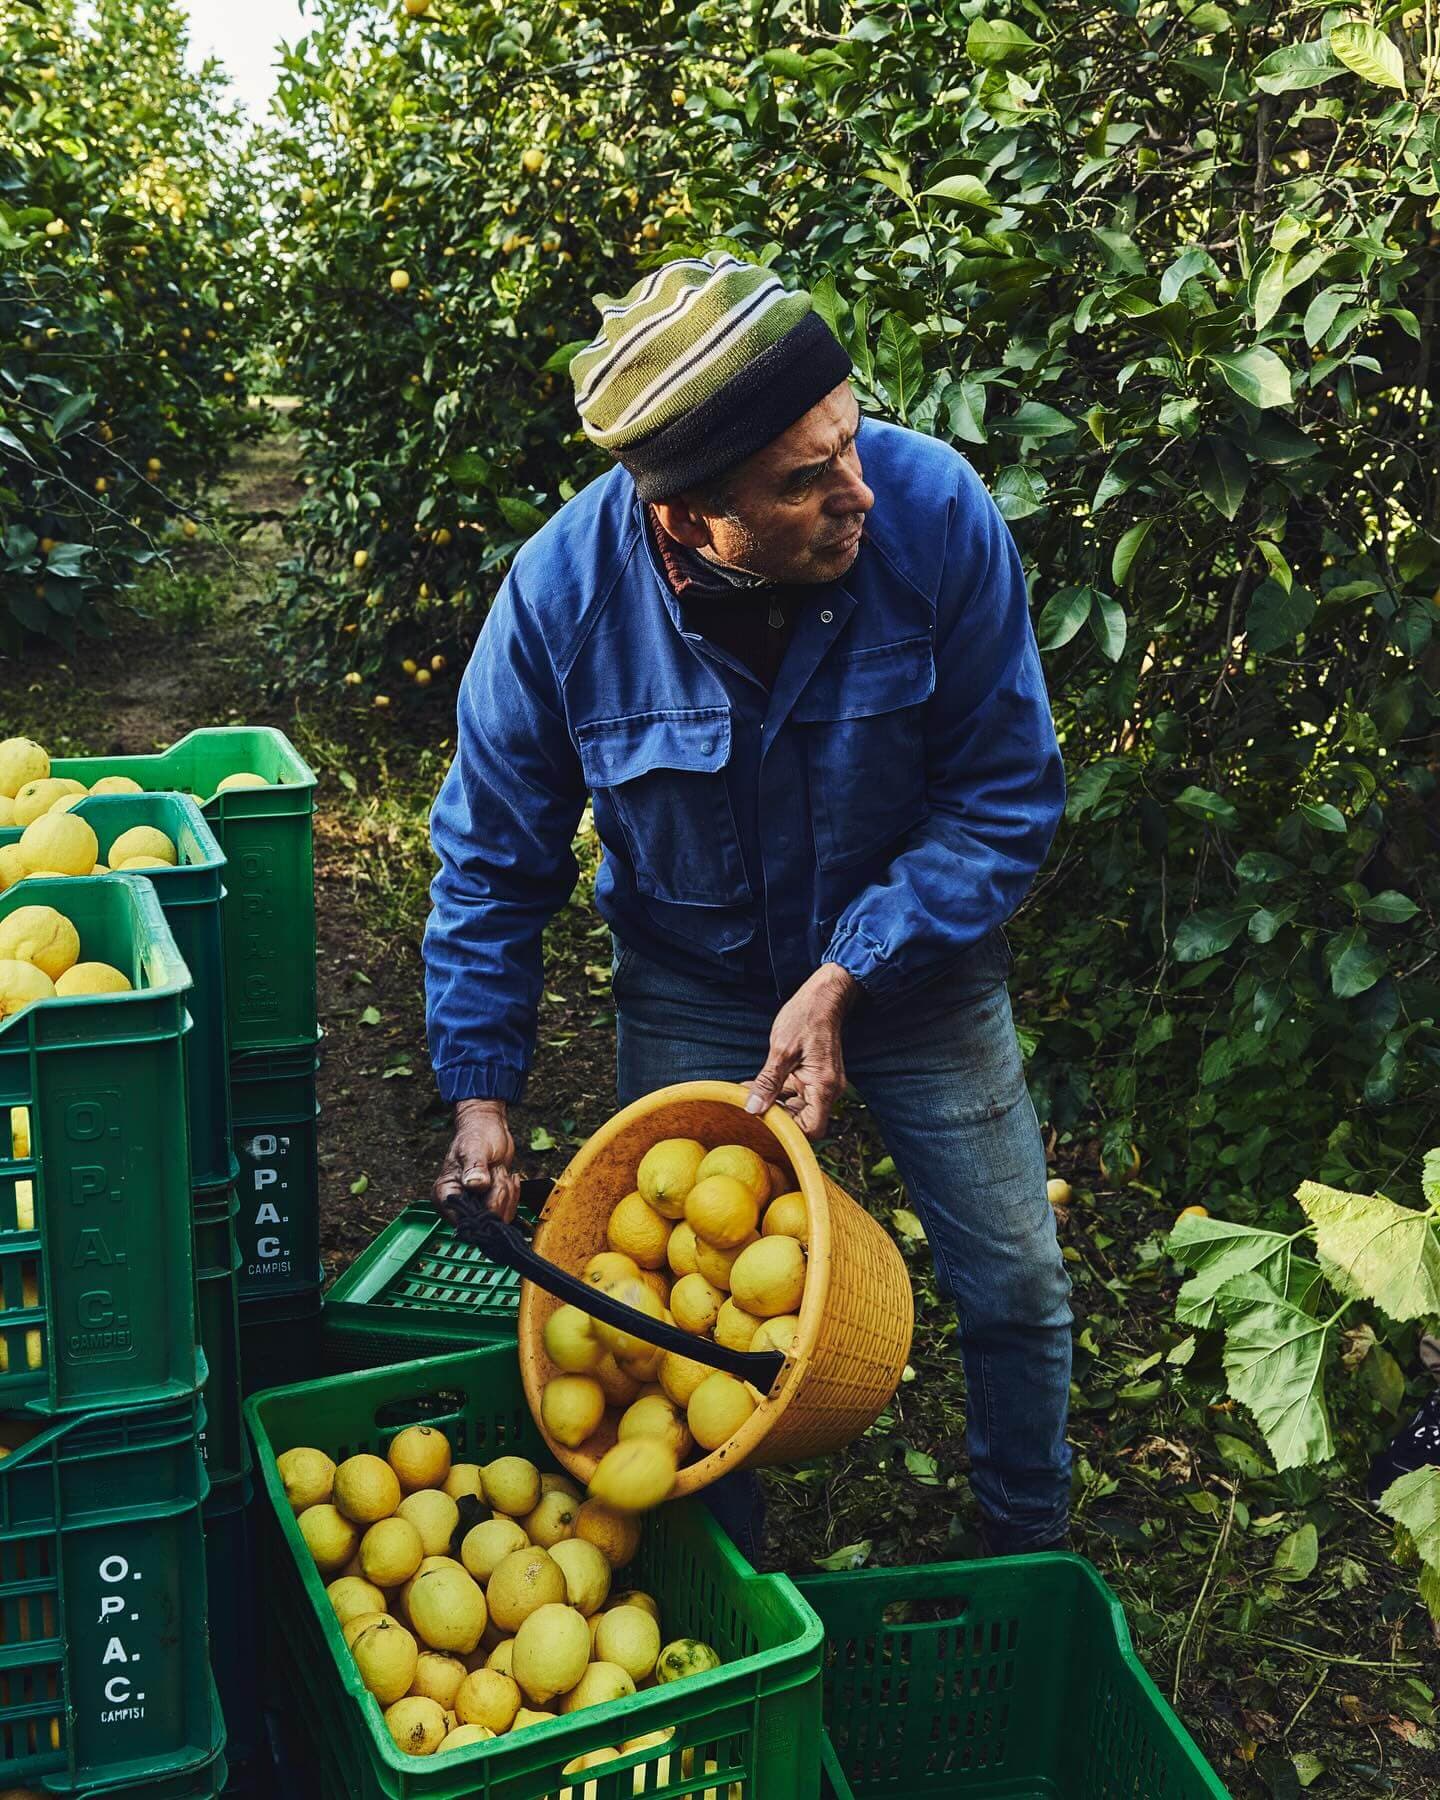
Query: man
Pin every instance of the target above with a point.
(792, 662)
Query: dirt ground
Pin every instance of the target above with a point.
(1338, 1671)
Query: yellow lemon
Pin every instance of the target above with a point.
(667, 1173)
(512, 1485)
(386, 1655)
(722, 1212)
(738, 1164)
(685, 1656)
(600, 1683)
(329, 1536)
(12, 869)
(680, 1250)
(681, 1375)
(434, 1515)
(463, 1479)
(447, 1610)
(463, 1735)
(523, 1581)
(552, 1482)
(635, 1475)
(636, 1597)
(36, 798)
(776, 1334)
(135, 863)
(620, 1343)
(587, 1574)
(40, 935)
(608, 1267)
(116, 784)
(141, 840)
(7, 810)
(620, 1388)
(553, 1520)
(242, 778)
(22, 761)
(366, 1489)
(417, 1725)
(715, 1265)
(570, 1340)
(351, 1595)
(552, 1648)
(91, 978)
(1192, 1212)
(787, 1216)
(630, 1638)
(21, 985)
(768, 1279)
(438, 1678)
(399, 280)
(529, 1715)
(653, 1415)
(532, 161)
(488, 1698)
(735, 1327)
(59, 841)
(308, 1477)
(571, 1406)
(615, 1535)
(390, 1552)
(636, 1230)
(352, 1628)
(717, 1410)
(501, 1659)
(420, 1456)
(485, 1546)
(696, 1304)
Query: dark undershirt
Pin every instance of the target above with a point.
(749, 619)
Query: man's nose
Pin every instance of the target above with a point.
(852, 495)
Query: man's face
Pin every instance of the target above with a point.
(795, 508)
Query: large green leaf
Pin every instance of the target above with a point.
(997, 43)
(1274, 1360)
(1413, 1500)
(1034, 420)
(962, 190)
(900, 363)
(1376, 1250)
(1277, 616)
(1296, 66)
(1367, 50)
(1209, 931)
(1355, 963)
(1222, 473)
(1127, 551)
(1219, 1250)
(1062, 616)
(1108, 626)
(1256, 375)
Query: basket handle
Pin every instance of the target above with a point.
(506, 1244)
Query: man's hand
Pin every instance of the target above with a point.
(479, 1160)
(806, 1066)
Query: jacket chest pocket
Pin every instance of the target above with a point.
(661, 778)
(863, 720)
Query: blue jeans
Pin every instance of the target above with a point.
(942, 1076)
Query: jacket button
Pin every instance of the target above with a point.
(827, 616)
(706, 746)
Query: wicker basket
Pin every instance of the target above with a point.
(856, 1319)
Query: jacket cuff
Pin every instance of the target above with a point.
(863, 958)
(480, 1081)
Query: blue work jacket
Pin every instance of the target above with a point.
(884, 806)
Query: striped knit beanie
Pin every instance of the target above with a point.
(702, 363)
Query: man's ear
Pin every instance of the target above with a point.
(683, 523)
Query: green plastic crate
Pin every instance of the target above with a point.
(276, 1140)
(1009, 1678)
(225, 1447)
(417, 1291)
(267, 836)
(280, 1338)
(235, 1602)
(757, 1718)
(104, 1676)
(95, 1236)
(190, 897)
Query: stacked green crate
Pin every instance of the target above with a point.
(101, 1416)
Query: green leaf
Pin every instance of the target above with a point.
(1277, 615)
(825, 298)
(849, 1556)
(1261, 866)
(1034, 420)
(1186, 266)
(900, 363)
(370, 1016)
(1270, 290)
(1107, 625)
(1320, 313)
(1276, 563)
(922, 1466)
(964, 405)
(1322, 815)
(540, 1139)
(1367, 50)
(1413, 1500)
(1122, 562)
(468, 469)
(907, 1223)
(1297, 1554)
(1389, 908)
(1257, 375)
(1200, 803)
(1119, 250)
(997, 43)
(964, 190)
(1209, 932)
(360, 1185)
(1430, 1178)
(1018, 492)
(1308, 1767)
(558, 361)
(1223, 474)
(1062, 616)
(520, 515)
(1376, 1250)
(1244, 1458)
(1274, 1360)
(1296, 66)
(1219, 1251)
(1355, 964)
(789, 63)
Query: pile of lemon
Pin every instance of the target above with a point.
(475, 1600)
(40, 959)
(713, 1241)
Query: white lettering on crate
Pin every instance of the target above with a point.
(125, 1700)
(94, 1227)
